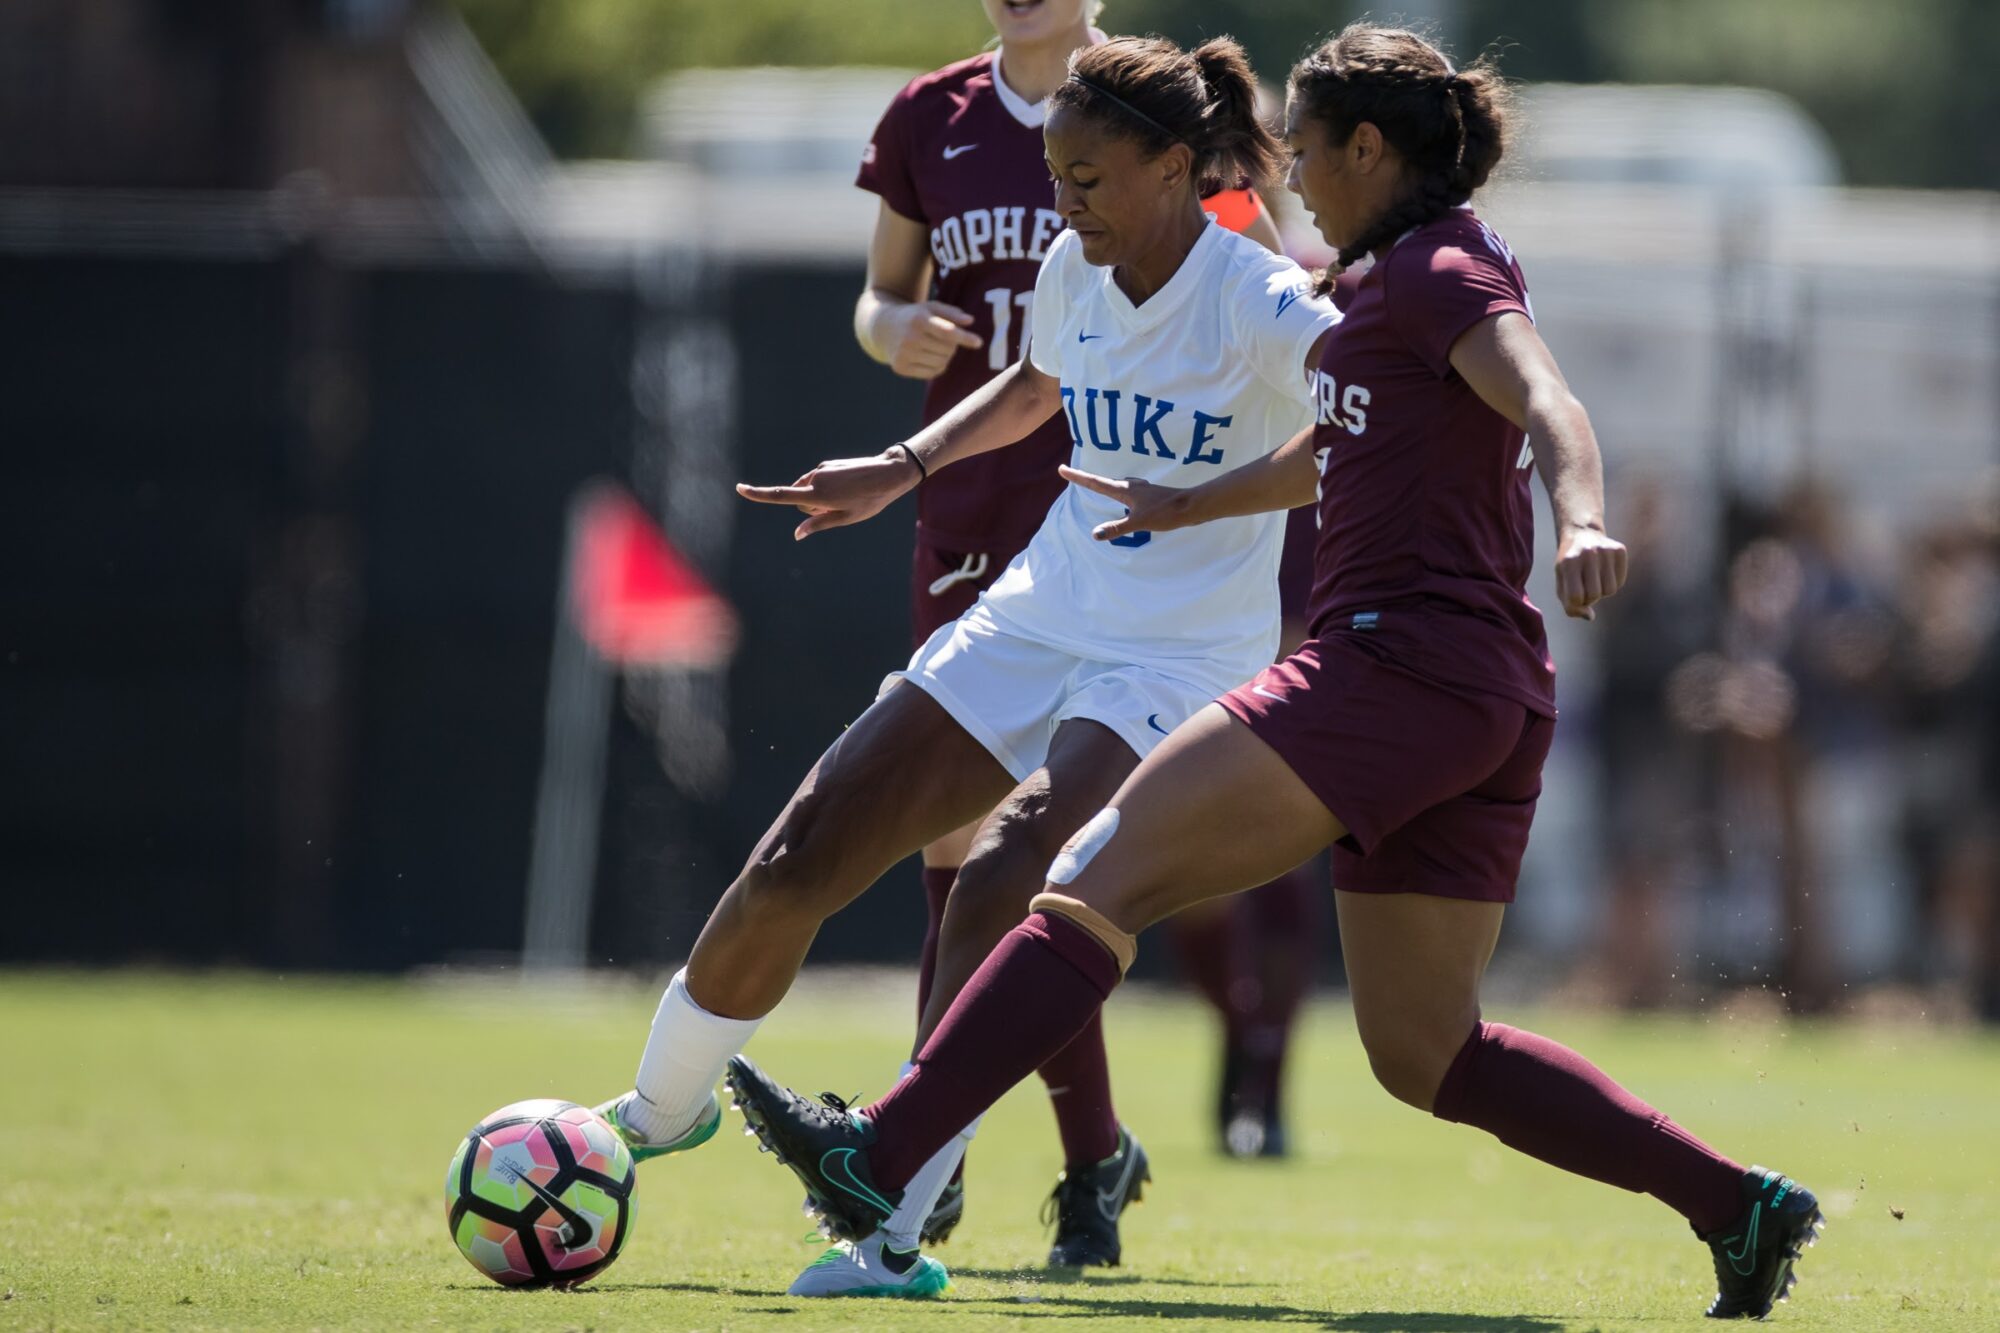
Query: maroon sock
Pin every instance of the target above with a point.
(937, 886)
(1283, 921)
(1203, 949)
(1543, 1099)
(1034, 993)
(1079, 1082)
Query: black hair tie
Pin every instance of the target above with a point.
(1104, 92)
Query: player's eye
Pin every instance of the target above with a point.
(1085, 185)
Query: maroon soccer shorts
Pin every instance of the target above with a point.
(1437, 787)
(958, 576)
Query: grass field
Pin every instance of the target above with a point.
(183, 1153)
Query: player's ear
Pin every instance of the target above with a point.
(1364, 147)
(1175, 164)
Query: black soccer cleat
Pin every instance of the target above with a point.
(1086, 1204)
(1252, 1134)
(823, 1143)
(946, 1214)
(1754, 1257)
(1248, 1119)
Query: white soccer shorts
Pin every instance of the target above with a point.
(1011, 692)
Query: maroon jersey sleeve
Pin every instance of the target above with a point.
(1436, 292)
(885, 162)
(950, 156)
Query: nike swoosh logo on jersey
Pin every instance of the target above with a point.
(1086, 337)
(1153, 721)
(1259, 689)
(1111, 1202)
(951, 152)
(1288, 298)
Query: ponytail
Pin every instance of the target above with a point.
(1150, 90)
(1243, 147)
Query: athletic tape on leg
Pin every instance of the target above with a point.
(1122, 947)
(1084, 844)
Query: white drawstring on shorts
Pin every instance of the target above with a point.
(971, 571)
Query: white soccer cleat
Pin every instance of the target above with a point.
(871, 1268)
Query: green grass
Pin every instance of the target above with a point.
(221, 1153)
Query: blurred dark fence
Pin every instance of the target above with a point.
(282, 538)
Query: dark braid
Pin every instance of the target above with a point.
(1449, 125)
(1150, 90)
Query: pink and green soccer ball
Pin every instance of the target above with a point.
(540, 1195)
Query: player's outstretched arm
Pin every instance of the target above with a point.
(1283, 479)
(848, 490)
(1508, 365)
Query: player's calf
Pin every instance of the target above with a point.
(988, 899)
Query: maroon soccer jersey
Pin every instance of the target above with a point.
(950, 154)
(1426, 524)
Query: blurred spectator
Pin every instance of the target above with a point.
(1948, 676)
(1647, 761)
(1796, 699)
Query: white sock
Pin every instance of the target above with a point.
(685, 1054)
(905, 1226)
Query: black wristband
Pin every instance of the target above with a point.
(923, 473)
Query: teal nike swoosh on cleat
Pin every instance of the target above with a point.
(644, 1149)
(844, 1178)
(1756, 1258)
(1744, 1260)
(822, 1142)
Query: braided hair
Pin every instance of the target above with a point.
(1150, 90)
(1450, 125)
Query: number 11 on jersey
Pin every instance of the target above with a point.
(1003, 303)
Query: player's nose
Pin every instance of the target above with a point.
(1069, 200)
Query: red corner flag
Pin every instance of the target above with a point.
(636, 600)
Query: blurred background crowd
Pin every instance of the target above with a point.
(333, 329)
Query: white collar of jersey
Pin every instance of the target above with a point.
(1031, 114)
(1138, 318)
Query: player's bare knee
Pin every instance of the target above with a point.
(1078, 871)
(1400, 1076)
(991, 893)
(1406, 1062)
(792, 871)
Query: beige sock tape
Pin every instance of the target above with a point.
(1123, 948)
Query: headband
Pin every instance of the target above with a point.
(1104, 92)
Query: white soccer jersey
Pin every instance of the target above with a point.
(1207, 375)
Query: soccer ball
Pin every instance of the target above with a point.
(540, 1195)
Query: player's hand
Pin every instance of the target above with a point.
(1589, 568)
(920, 339)
(1149, 507)
(844, 491)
